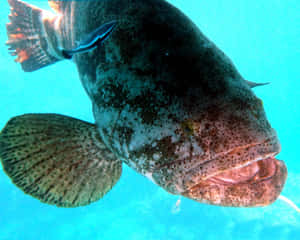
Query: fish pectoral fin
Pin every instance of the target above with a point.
(57, 159)
(33, 36)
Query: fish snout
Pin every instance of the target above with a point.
(260, 189)
(247, 175)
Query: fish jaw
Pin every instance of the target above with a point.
(246, 176)
(253, 192)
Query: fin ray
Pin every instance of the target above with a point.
(28, 39)
(56, 5)
(66, 164)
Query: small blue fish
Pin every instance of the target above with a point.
(93, 40)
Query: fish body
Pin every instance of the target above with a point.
(169, 103)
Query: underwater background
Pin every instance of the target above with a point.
(263, 40)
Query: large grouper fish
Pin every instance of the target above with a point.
(166, 101)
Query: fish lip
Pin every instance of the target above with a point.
(266, 189)
(260, 189)
(178, 177)
(223, 154)
(271, 156)
(227, 184)
(270, 147)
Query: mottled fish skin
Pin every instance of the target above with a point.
(170, 104)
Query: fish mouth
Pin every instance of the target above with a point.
(256, 180)
(257, 171)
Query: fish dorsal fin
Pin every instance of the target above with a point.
(254, 84)
(56, 5)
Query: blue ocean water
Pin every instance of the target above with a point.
(262, 38)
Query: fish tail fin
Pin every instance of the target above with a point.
(58, 159)
(33, 36)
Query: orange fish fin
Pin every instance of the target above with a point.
(27, 37)
(56, 5)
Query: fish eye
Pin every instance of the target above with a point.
(187, 127)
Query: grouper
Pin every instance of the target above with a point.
(166, 101)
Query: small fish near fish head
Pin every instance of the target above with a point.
(172, 106)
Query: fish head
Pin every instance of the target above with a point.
(225, 154)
